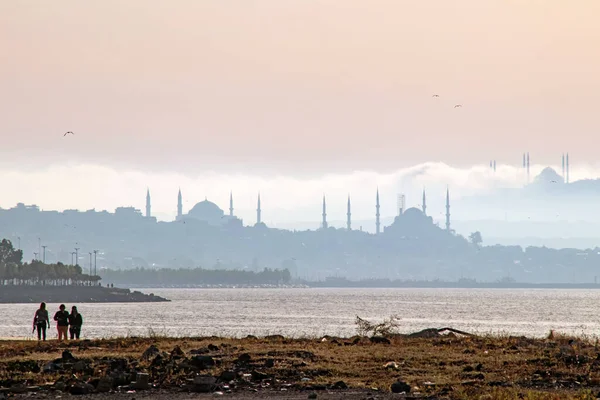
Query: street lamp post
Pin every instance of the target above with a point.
(96, 262)
(76, 255)
(35, 255)
(44, 254)
(72, 257)
(90, 263)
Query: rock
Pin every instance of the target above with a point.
(312, 396)
(105, 384)
(118, 364)
(202, 362)
(339, 385)
(80, 388)
(212, 347)
(400, 387)
(142, 382)
(150, 352)
(204, 384)
(259, 376)
(158, 361)
(79, 366)
(468, 368)
(177, 352)
(380, 340)
(67, 356)
(227, 376)
(269, 363)
(244, 358)
(51, 367)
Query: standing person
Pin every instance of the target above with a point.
(62, 322)
(40, 320)
(75, 322)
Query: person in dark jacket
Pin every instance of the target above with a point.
(75, 322)
(62, 322)
(40, 320)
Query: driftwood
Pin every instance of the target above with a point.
(434, 332)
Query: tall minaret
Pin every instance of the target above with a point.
(448, 209)
(179, 205)
(494, 166)
(424, 203)
(568, 178)
(524, 161)
(324, 223)
(148, 208)
(258, 212)
(348, 216)
(563, 168)
(377, 215)
(231, 204)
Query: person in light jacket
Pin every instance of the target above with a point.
(40, 321)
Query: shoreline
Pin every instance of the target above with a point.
(13, 294)
(426, 364)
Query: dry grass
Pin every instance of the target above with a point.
(450, 367)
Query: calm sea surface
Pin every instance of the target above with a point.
(316, 312)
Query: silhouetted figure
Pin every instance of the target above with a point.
(40, 321)
(75, 323)
(62, 322)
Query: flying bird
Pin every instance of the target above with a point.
(66, 133)
(458, 105)
(436, 95)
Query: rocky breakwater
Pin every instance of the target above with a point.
(73, 294)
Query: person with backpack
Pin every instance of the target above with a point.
(62, 322)
(40, 320)
(75, 322)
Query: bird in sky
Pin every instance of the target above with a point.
(458, 105)
(436, 95)
(66, 133)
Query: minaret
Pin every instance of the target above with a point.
(563, 168)
(348, 215)
(179, 205)
(324, 223)
(231, 204)
(148, 208)
(258, 212)
(524, 161)
(494, 166)
(377, 215)
(448, 209)
(568, 178)
(424, 203)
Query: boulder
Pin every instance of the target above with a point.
(244, 358)
(380, 340)
(212, 347)
(227, 376)
(80, 388)
(339, 385)
(67, 356)
(177, 352)
(150, 352)
(202, 362)
(204, 384)
(400, 387)
(142, 382)
(105, 384)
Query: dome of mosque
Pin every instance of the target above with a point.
(206, 211)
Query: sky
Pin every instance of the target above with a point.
(293, 97)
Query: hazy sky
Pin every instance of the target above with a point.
(294, 88)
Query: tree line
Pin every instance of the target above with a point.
(196, 276)
(14, 272)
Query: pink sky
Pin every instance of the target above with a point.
(298, 86)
